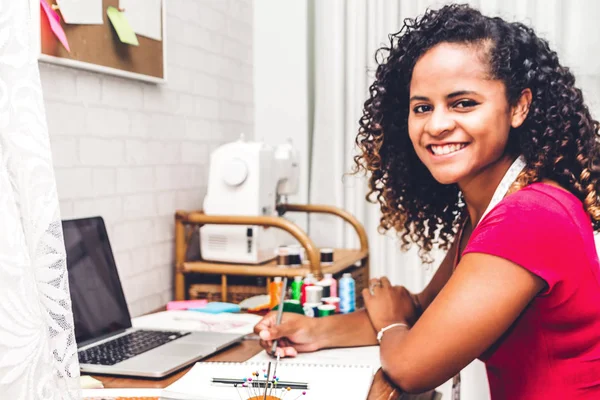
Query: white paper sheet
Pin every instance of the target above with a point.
(144, 16)
(368, 355)
(198, 321)
(81, 11)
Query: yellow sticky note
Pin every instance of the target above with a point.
(121, 25)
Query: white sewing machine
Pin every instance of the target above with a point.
(246, 178)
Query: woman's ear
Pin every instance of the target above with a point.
(521, 109)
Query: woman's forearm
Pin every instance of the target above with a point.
(390, 363)
(404, 366)
(347, 330)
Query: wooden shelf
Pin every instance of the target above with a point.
(343, 258)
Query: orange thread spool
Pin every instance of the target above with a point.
(275, 291)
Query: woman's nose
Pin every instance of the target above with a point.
(439, 123)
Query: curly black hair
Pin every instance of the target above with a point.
(559, 138)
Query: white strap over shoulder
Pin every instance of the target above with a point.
(503, 187)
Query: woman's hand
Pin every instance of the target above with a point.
(296, 334)
(387, 304)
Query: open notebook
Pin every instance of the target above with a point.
(325, 381)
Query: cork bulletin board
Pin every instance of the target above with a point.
(98, 48)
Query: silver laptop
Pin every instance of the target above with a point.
(106, 341)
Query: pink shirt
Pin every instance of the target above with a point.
(552, 351)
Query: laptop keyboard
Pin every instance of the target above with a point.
(127, 346)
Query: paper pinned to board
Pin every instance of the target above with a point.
(144, 16)
(122, 27)
(81, 11)
(54, 21)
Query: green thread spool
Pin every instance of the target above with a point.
(297, 288)
(291, 306)
(326, 310)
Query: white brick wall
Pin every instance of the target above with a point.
(134, 152)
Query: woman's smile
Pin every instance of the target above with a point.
(446, 150)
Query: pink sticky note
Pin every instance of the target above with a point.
(185, 304)
(55, 25)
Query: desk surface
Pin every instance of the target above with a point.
(380, 390)
(240, 352)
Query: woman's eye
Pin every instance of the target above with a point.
(421, 109)
(465, 104)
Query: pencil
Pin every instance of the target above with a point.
(280, 311)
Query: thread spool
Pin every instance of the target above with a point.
(294, 258)
(326, 256)
(307, 282)
(334, 301)
(275, 291)
(311, 310)
(347, 294)
(329, 278)
(282, 261)
(314, 294)
(297, 288)
(326, 310)
(283, 258)
(326, 288)
(300, 250)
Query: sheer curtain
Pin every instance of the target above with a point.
(346, 35)
(38, 357)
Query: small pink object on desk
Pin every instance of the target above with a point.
(185, 304)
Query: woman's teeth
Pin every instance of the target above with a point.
(447, 148)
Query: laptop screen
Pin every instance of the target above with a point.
(99, 305)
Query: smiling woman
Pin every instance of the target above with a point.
(464, 110)
(475, 136)
(455, 77)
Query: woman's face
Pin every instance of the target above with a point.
(459, 118)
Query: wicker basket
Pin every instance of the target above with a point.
(235, 293)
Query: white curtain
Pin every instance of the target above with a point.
(38, 357)
(346, 35)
